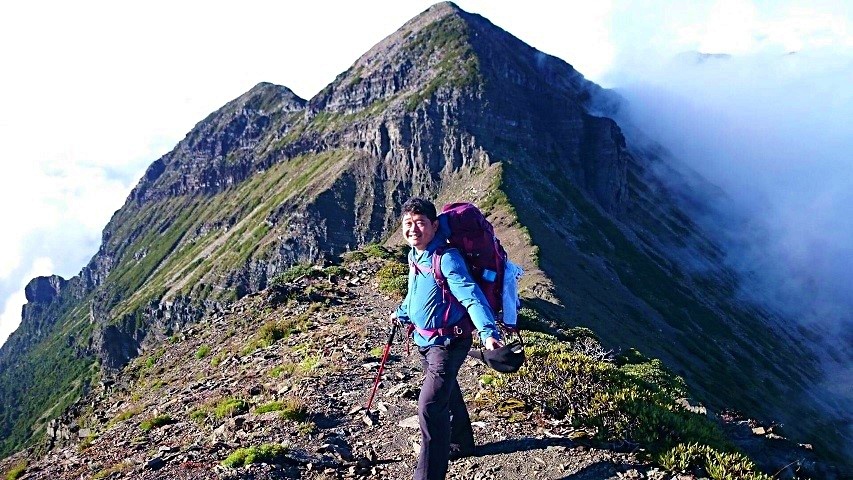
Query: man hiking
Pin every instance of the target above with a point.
(442, 332)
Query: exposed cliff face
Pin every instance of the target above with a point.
(448, 107)
(222, 149)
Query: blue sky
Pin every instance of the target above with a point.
(94, 91)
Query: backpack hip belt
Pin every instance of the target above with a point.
(461, 328)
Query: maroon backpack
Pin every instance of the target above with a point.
(470, 233)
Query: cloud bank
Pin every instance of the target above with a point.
(764, 113)
(773, 130)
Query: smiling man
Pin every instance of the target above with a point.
(442, 331)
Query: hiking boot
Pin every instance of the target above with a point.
(458, 451)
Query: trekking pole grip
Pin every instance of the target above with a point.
(394, 327)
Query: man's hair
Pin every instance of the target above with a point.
(420, 206)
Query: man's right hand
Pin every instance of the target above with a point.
(403, 322)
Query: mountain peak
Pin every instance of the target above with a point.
(445, 48)
(428, 51)
(440, 9)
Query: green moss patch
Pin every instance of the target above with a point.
(266, 453)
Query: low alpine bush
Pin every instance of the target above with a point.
(634, 403)
(155, 422)
(393, 279)
(229, 407)
(266, 453)
(17, 471)
(202, 351)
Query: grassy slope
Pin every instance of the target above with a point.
(180, 260)
(169, 259)
(49, 378)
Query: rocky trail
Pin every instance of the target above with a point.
(284, 376)
(320, 377)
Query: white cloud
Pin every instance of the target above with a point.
(731, 27)
(772, 129)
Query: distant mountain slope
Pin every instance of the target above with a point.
(450, 107)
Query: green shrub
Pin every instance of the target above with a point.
(269, 407)
(310, 363)
(291, 408)
(294, 408)
(273, 331)
(17, 471)
(106, 472)
(229, 407)
(202, 351)
(374, 250)
(637, 405)
(269, 333)
(294, 272)
(335, 271)
(199, 415)
(87, 442)
(305, 428)
(393, 279)
(267, 453)
(354, 256)
(703, 459)
(679, 459)
(155, 422)
(124, 415)
(654, 375)
(283, 370)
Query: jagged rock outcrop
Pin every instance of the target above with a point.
(44, 290)
(221, 150)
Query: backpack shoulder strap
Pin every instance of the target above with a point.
(436, 268)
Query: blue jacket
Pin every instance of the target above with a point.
(424, 305)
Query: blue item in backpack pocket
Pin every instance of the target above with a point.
(489, 275)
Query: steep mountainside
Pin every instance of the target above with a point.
(449, 107)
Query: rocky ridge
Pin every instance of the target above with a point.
(210, 384)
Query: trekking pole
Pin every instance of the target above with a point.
(385, 353)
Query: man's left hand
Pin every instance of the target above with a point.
(493, 343)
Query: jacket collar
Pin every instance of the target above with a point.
(431, 247)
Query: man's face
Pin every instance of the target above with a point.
(418, 230)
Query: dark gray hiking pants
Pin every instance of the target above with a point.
(442, 414)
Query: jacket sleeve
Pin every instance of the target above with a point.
(402, 312)
(468, 293)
